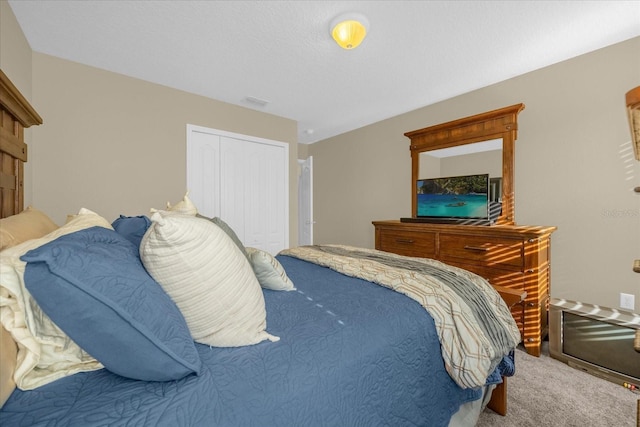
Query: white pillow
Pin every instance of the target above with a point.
(269, 272)
(210, 280)
(45, 353)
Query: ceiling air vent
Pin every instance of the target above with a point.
(256, 101)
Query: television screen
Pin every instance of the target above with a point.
(453, 197)
(596, 339)
(600, 343)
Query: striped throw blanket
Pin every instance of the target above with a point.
(474, 324)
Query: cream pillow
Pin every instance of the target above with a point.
(28, 224)
(8, 360)
(45, 353)
(269, 272)
(183, 207)
(209, 279)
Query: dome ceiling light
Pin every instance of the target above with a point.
(349, 30)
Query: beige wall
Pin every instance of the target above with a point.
(477, 163)
(15, 62)
(15, 53)
(467, 164)
(117, 145)
(573, 170)
(303, 151)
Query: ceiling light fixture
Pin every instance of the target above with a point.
(349, 30)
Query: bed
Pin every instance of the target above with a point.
(143, 321)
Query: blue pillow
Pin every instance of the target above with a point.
(92, 284)
(132, 227)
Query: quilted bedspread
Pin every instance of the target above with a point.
(475, 327)
(351, 353)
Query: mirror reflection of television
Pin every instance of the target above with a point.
(456, 197)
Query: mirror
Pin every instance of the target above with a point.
(470, 159)
(484, 143)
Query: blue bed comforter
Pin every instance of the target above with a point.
(351, 353)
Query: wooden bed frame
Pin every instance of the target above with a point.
(17, 114)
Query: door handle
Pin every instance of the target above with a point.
(408, 241)
(476, 248)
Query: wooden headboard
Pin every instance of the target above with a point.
(16, 114)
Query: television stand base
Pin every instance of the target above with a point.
(455, 221)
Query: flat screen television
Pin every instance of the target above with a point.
(455, 197)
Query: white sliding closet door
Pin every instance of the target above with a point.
(243, 180)
(203, 181)
(265, 197)
(233, 184)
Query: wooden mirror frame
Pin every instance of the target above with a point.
(501, 123)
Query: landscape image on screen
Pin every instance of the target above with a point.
(453, 197)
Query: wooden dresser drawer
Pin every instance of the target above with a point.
(485, 250)
(408, 243)
(509, 279)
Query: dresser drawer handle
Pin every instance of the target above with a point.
(408, 241)
(476, 248)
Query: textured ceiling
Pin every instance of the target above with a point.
(417, 52)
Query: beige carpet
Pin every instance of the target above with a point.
(547, 392)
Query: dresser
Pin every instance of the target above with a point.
(516, 257)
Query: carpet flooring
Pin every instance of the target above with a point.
(546, 392)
